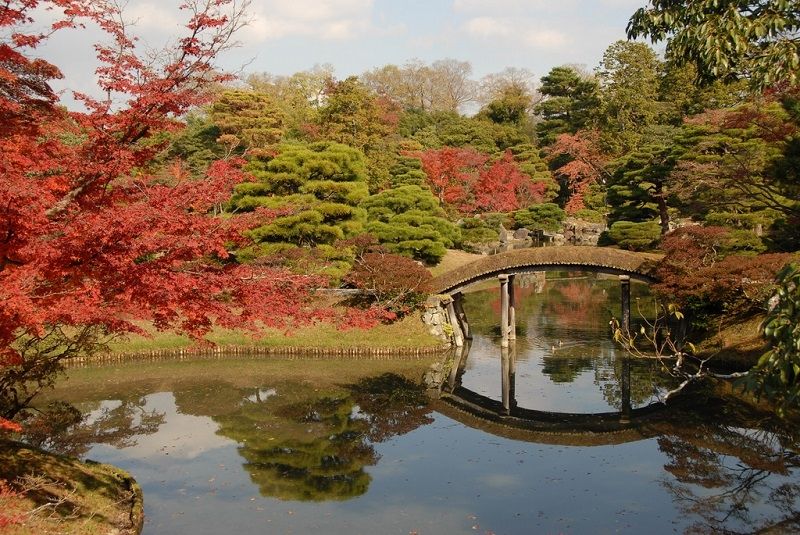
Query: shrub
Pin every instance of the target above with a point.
(409, 221)
(632, 236)
(475, 230)
(592, 216)
(705, 274)
(777, 374)
(546, 216)
(391, 281)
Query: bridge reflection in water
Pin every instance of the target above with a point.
(505, 417)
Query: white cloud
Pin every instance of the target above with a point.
(509, 6)
(150, 16)
(487, 27)
(323, 19)
(522, 31)
(545, 39)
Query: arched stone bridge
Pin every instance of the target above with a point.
(596, 259)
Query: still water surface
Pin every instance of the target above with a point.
(311, 446)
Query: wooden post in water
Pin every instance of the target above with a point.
(512, 313)
(460, 355)
(512, 375)
(505, 378)
(452, 317)
(503, 310)
(625, 387)
(458, 304)
(625, 287)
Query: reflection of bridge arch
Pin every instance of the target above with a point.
(596, 259)
(548, 428)
(503, 417)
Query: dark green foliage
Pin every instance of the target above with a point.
(530, 162)
(638, 189)
(354, 116)
(589, 215)
(629, 83)
(682, 98)
(751, 39)
(570, 99)
(196, 144)
(545, 216)
(777, 373)
(409, 221)
(475, 230)
(510, 107)
(742, 242)
(632, 236)
(449, 129)
(737, 167)
(320, 184)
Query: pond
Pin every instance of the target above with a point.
(280, 445)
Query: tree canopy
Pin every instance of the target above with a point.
(754, 39)
(90, 241)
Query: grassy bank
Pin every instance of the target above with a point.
(410, 332)
(64, 495)
(735, 343)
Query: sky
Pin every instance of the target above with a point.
(286, 36)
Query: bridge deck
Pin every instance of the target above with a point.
(598, 259)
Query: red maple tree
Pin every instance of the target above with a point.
(585, 164)
(471, 182)
(89, 241)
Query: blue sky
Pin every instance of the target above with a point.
(286, 36)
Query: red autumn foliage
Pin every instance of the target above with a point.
(9, 505)
(88, 241)
(468, 181)
(585, 164)
(393, 282)
(697, 275)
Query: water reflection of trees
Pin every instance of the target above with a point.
(578, 304)
(732, 476)
(647, 381)
(62, 428)
(303, 443)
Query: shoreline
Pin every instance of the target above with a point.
(282, 352)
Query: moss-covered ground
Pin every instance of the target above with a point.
(43, 493)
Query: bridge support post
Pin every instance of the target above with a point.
(625, 387)
(452, 317)
(458, 305)
(459, 364)
(512, 312)
(503, 310)
(508, 357)
(625, 287)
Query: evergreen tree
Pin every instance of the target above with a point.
(253, 119)
(408, 220)
(570, 99)
(320, 186)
